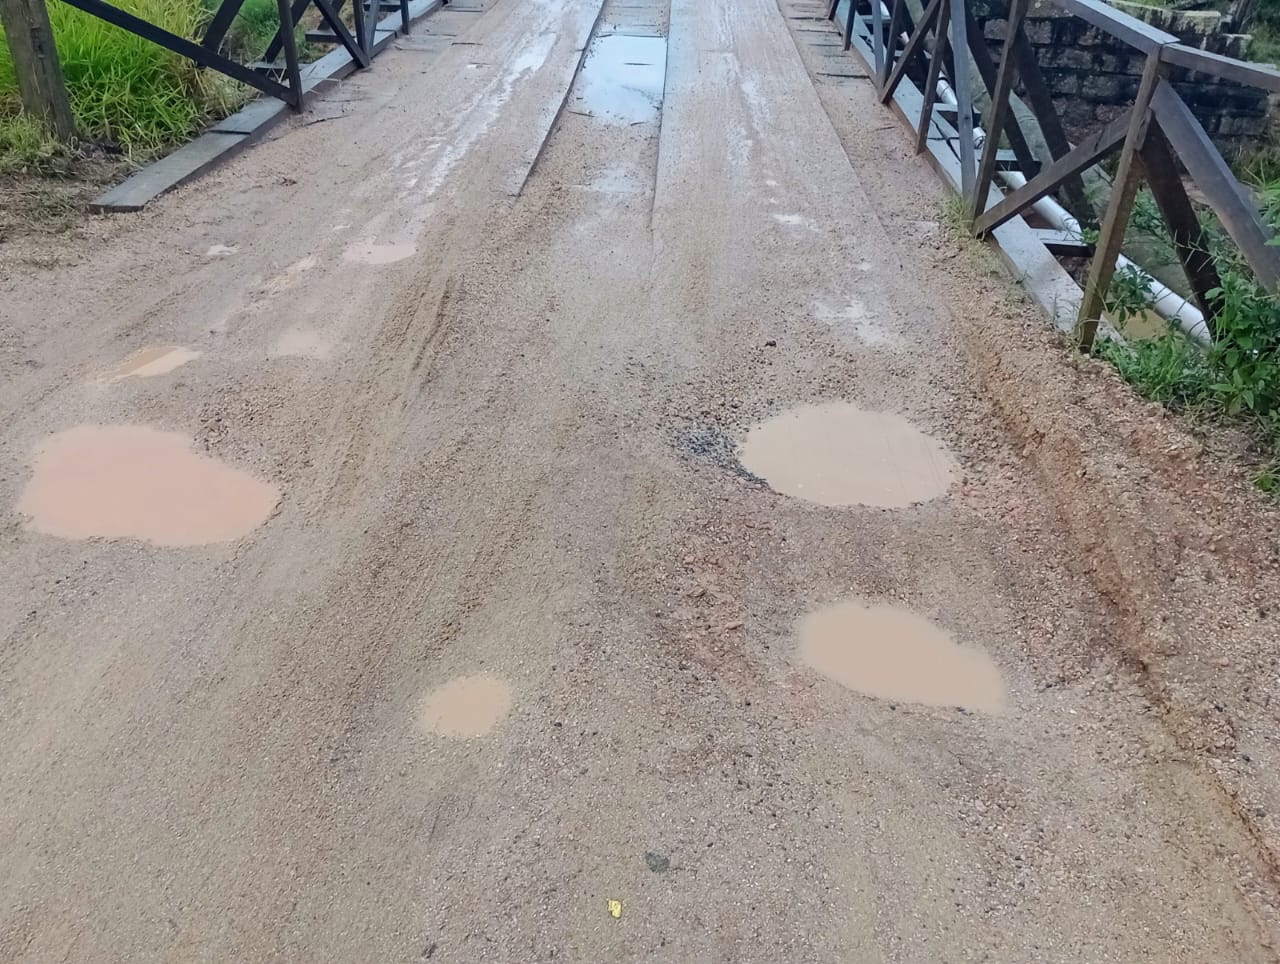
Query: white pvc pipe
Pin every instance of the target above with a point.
(1165, 301)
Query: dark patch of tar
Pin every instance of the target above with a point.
(658, 863)
(715, 446)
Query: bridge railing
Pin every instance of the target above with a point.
(921, 70)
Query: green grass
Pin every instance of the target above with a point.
(126, 90)
(1236, 381)
(27, 147)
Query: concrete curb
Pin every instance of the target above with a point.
(231, 135)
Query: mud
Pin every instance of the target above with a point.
(894, 654)
(136, 482)
(151, 362)
(466, 707)
(836, 454)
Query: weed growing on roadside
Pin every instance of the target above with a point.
(27, 147)
(1170, 369)
(1129, 294)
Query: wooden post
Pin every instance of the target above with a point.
(938, 54)
(291, 68)
(1188, 237)
(999, 110)
(1123, 190)
(964, 98)
(35, 59)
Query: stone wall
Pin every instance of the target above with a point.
(1094, 77)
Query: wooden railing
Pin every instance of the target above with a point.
(1157, 138)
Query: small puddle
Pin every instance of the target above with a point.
(894, 654)
(368, 252)
(151, 362)
(468, 706)
(302, 341)
(136, 482)
(623, 77)
(836, 454)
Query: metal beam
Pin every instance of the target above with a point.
(1085, 155)
(999, 108)
(914, 43)
(1123, 190)
(1229, 200)
(181, 45)
(1189, 241)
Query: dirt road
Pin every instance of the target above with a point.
(505, 632)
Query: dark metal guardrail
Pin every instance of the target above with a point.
(280, 80)
(1152, 137)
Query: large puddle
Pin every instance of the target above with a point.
(468, 706)
(894, 654)
(623, 77)
(136, 482)
(836, 454)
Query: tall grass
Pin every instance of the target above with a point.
(125, 89)
(27, 147)
(251, 31)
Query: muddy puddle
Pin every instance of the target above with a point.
(151, 362)
(894, 654)
(137, 482)
(301, 341)
(837, 454)
(622, 78)
(368, 252)
(465, 707)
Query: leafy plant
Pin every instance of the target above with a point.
(1129, 293)
(1170, 369)
(1245, 355)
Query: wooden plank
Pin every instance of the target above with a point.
(1088, 153)
(277, 42)
(877, 34)
(999, 109)
(1055, 138)
(1026, 257)
(897, 20)
(964, 96)
(1253, 75)
(1229, 200)
(931, 83)
(1063, 242)
(185, 164)
(1110, 20)
(1123, 190)
(914, 44)
(1184, 227)
(292, 69)
(329, 13)
(987, 69)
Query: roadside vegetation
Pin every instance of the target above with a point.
(1236, 380)
(132, 100)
